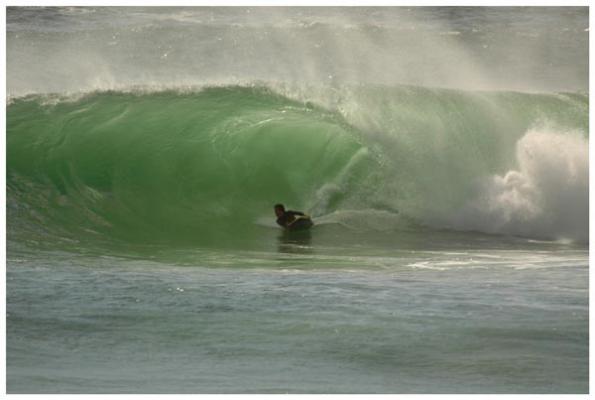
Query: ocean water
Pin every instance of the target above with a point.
(442, 153)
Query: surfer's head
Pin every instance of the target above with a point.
(279, 210)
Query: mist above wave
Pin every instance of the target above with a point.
(82, 49)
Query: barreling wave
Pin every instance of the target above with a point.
(210, 163)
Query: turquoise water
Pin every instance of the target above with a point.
(450, 246)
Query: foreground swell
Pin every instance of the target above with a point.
(503, 322)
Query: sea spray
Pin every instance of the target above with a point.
(70, 49)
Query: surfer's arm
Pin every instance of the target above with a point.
(295, 215)
(301, 214)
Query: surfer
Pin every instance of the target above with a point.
(289, 219)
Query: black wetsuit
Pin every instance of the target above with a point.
(288, 217)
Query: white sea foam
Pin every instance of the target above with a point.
(546, 195)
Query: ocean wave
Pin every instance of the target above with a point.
(204, 161)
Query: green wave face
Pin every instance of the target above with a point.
(206, 166)
(168, 165)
